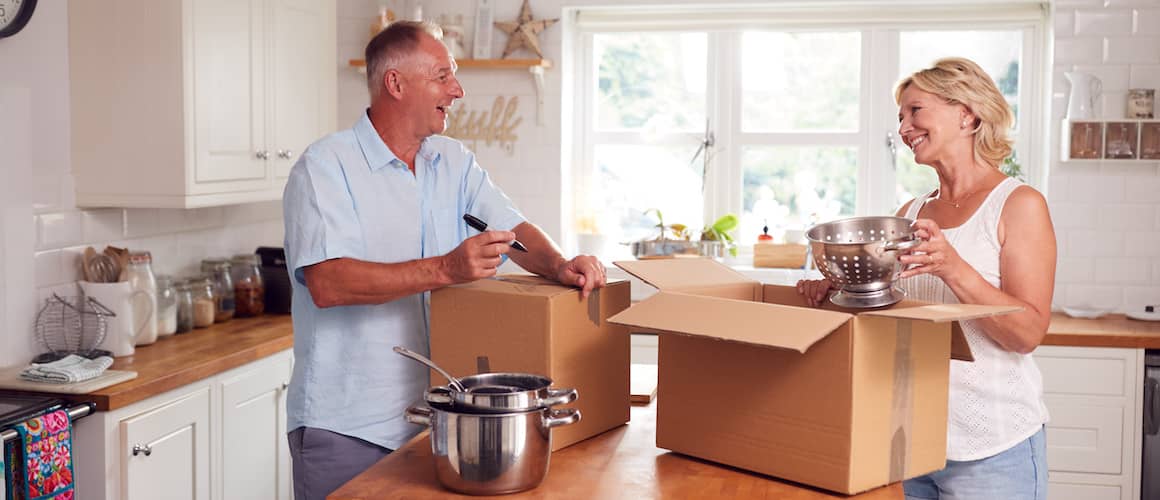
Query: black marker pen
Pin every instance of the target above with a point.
(481, 226)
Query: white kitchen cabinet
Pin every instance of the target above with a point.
(191, 103)
(166, 450)
(254, 450)
(223, 437)
(1094, 396)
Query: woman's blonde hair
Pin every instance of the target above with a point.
(960, 81)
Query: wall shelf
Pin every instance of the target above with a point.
(1122, 141)
(534, 66)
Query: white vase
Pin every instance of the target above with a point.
(1085, 89)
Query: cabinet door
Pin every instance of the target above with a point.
(302, 80)
(165, 451)
(253, 436)
(228, 41)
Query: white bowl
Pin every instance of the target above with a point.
(1086, 312)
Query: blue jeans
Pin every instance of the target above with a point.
(1019, 473)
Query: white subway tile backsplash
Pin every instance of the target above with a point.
(102, 224)
(1079, 50)
(1064, 22)
(1094, 296)
(1094, 188)
(1073, 215)
(1145, 76)
(142, 222)
(1132, 50)
(47, 268)
(1143, 189)
(1103, 21)
(1113, 105)
(71, 260)
(1137, 297)
(1093, 244)
(1142, 243)
(1112, 77)
(1125, 216)
(1064, 5)
(1121, 270)
(58, 230)
(1129, 3)
(1076, 270)
(1147, 21)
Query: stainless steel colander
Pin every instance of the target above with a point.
(860, 254)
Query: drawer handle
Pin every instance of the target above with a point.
(285, 385)
(1151, 407)
(138, 449)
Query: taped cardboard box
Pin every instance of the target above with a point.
(527, 324)
(751, 377)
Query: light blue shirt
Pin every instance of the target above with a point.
(350, 196)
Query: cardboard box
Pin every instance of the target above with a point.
(749, 376)
(528, 324)
(789, 255)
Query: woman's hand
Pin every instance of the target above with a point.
(814, 291)
(933, 256)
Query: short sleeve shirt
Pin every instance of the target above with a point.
(350, 196)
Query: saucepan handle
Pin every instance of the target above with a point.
(440, 395)
(419, 415)
(561, 416)
(559, 397)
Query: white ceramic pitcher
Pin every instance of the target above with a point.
(1085, 89)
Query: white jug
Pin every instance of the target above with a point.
(1085, 89)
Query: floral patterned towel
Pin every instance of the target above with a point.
(47, 458)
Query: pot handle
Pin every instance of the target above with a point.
(561, 416)
(419, 415)
(893, 245)
(559, 397)
(440, 395)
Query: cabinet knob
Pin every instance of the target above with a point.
(139, 449)
(262, 155)
(285, 154)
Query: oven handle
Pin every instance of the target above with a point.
(78, 411)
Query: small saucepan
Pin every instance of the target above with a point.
(500, 393)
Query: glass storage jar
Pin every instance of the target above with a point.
(184, 306)
(204, 300)
(249, 288)
(166, 306)
(218, 271)
(139, 274)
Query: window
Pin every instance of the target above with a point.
(783, 117)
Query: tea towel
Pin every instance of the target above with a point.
(71, 368)
(46, 446)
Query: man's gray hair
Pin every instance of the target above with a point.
(391, 47)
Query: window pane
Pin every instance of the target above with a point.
(650, 81)
(800, 81)
(793, 187)
(628, 180)
(911, 179)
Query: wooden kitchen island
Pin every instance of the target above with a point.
(621, 463)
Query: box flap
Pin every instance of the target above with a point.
(675, 274)
(942, 313)
(747, 322)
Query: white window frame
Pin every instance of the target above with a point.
(876, 21)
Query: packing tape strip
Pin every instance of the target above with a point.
(594, 307)
(902, 402)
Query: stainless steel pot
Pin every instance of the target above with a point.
(500, 393)
(665, 248)
(491, 454)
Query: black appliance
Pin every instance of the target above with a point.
(18, 407)
(1150, 466)
(276, 278)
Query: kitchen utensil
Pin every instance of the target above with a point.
(1085, 89)
(868, 300)
(1085, 312)
(860, 254)
(501, 392)
(102, 268)
(71, 325)
(491, 454)
(127, 304)
(1148, 314)
(455, 383)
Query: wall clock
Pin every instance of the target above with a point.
(14, 14)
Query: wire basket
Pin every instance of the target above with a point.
(71, 325)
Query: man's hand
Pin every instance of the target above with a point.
(814, 291)
(583, 271)
(477, 257)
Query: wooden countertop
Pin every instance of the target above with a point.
(1113, 330)
(621, 463)
(182, 359)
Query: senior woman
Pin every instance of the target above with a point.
(987, 239)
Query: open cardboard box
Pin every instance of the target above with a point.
(527, 324)
(750, 376)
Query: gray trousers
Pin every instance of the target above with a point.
(323, 460)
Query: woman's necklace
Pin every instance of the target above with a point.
(959, 203)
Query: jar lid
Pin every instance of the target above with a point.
(214, 263)
(247, 258)
(164, 279)
(140, 257)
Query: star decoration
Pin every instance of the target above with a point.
(522, 32)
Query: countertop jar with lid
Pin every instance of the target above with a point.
(184, 297)
(166, 306)
(204, 300)
(139, 274)
(249, 288)
(218, 271)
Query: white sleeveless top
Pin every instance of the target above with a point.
(996, 401)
